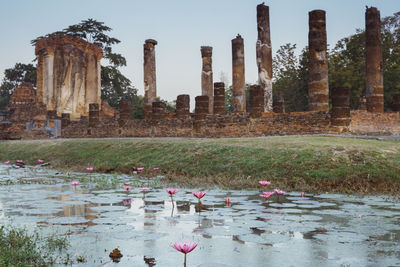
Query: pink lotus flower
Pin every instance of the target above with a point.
(7, 162)
(184, 247)
(75, 183)
(134, 172)
(264, 183)
(127, 202)
(279, 192)
(20, 161)
(303, 194)
(40, 161)
(199, 195)
(127, 187)
(16, 167)
(228, 201)
(156, 169)
(140, 169)
(144, 189)
(171, 191)
(89, 169)
(266, 195)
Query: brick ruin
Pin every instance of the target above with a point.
(67, 100)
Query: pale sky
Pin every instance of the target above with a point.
(180, 27)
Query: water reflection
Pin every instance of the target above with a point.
(307, 231)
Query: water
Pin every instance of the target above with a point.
(319, 230)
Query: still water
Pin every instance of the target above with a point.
(316, 230)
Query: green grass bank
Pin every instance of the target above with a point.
(311, 164)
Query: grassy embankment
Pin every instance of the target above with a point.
(292, 163)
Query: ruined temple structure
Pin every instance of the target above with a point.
(67, 100)
(373, 60)
(149, 72)
(264, 55)
(318, 88)
(68, 75)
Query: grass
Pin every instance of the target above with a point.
(19, 248)
(294, 163)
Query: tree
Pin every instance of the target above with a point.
(291, 77)
(13, 77)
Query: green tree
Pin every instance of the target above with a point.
(291, 76)
(13, 77)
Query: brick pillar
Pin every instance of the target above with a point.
(207, 75)
(201, 108)
(183, 106)
(279, 103)
(373, 57)
(256, 101)
(65, 120)
(158, 110)
(396, 102)
(340, 113)
(94, 114)
(124, 112)
(318, 88)
(219, 98)
(149, 71)
(238, 76)
(264, 55)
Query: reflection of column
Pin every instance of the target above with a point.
(207, 76)
(264, 55)
(373, 56)
(238, 78)
(149, 71)
(318, 88)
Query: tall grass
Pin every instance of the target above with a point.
(298, 163)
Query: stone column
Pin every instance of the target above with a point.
(374, 65)
(94, 114)
(279, 103)
(48, 86)
(318, 88)
(124, 112)
(340, 113)
(219, 98)
(149, 71)
(396, 102)
(256, 101)
(207, 75)
(158, 110)
(183, 106)
(264, 55)
(201, 108)
(238, 76)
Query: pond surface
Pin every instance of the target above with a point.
(318, 230)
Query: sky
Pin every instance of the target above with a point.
(180, 27)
